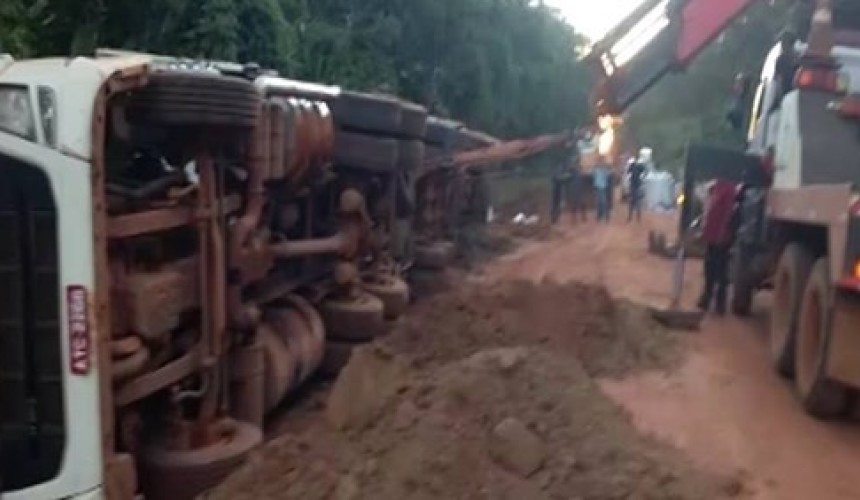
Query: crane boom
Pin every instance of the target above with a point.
(659, 36)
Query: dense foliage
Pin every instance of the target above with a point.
(507, 66)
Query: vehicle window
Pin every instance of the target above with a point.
(16, 113)
(32, 415)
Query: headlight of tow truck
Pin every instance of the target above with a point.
(16, 114)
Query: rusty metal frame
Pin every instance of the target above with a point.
(118, 471)
(139, 223)
(154, 381)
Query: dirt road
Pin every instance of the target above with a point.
(723, 407)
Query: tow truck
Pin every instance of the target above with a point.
(800, 219)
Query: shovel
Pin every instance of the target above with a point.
(674, 317)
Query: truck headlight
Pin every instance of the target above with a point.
(16, 114)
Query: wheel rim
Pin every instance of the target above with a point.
(780, 320)
(809, 341)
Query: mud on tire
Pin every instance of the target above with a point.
(392, 291)
(183, 475)
(789, 283)
(178, 98)
(820, 396)
(354, 319)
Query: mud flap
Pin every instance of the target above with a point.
(843, 362)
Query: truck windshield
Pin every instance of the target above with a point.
(16, 113)
(32, 421)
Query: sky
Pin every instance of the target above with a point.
(594, 18)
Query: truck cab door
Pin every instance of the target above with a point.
(50, 425)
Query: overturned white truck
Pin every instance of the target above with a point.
(183, 247)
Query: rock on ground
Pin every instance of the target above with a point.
(513, 446)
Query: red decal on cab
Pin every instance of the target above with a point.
(79, 330)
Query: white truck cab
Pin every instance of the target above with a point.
(51, 428)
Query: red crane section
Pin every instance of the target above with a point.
(702, 21)
(659, 36)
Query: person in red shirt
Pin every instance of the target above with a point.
(718, 235)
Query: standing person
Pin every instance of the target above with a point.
(577, 193)
(602, 187)
(636, 174)
(718, 235)
(560, 181)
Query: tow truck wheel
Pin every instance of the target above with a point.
(392, 291)
(821, 397)
(183, 475)
(357, 319)
(789, 282)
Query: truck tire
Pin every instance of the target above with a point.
(280, 366)
(177, 98)
(790, 280)
(411, 155)
(354, 319)
(820, 396)
(369, 113)
(184, 475)
(743, 289)
(442, 132)
(413, 121)
(366, 152)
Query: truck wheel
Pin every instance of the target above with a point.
(180, 98)
(743, 289)
(377, 154)
(183, 475)
(370, 113)
(790, 280)
(280, 366)
(411, 155)
(392, 291)
(414, 120)
(355, 319)
(821, 397)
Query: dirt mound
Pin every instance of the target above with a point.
(610, 337)
(520, 423)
